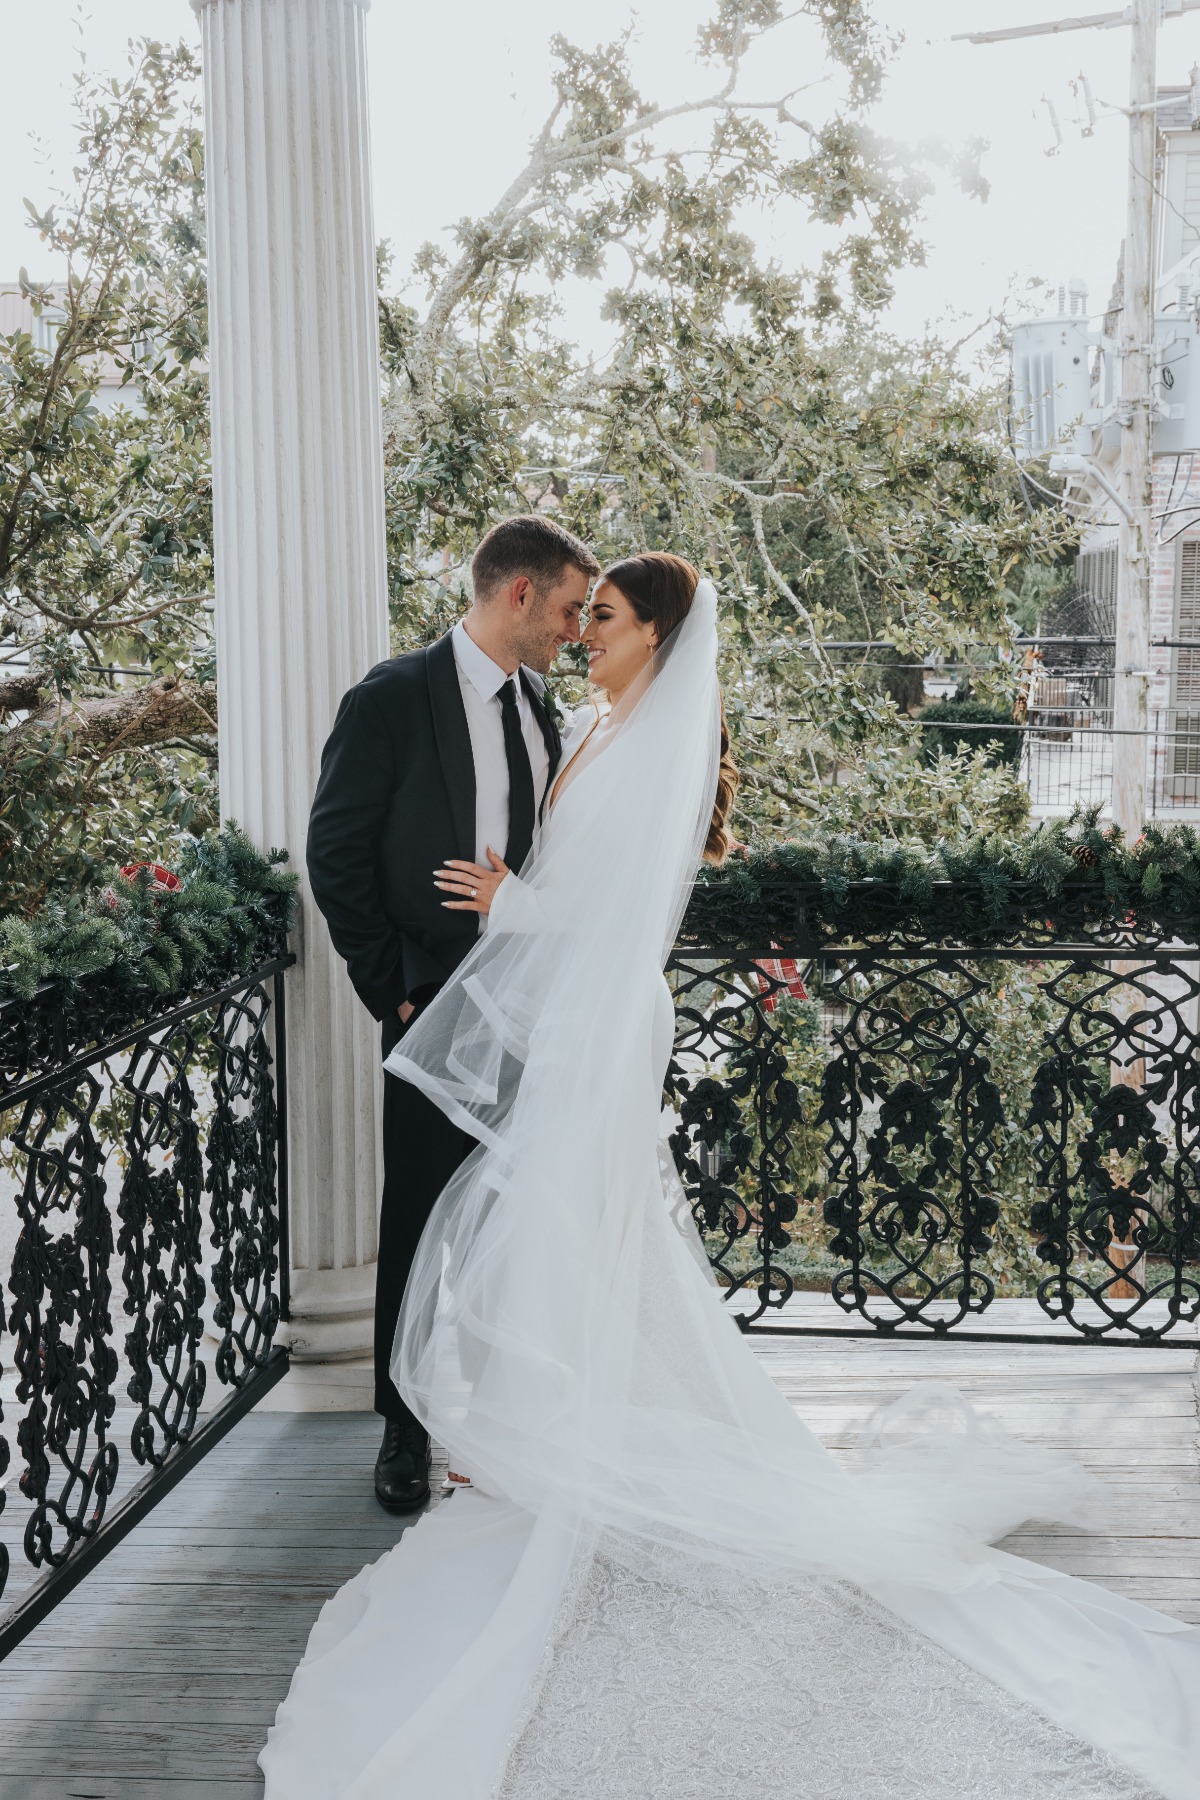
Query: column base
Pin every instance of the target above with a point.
(333, 1315)
(311, 1387)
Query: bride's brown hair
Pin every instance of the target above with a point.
(660, 588)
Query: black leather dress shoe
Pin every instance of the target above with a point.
(402, 1467)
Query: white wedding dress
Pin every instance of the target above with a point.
(663, 1587)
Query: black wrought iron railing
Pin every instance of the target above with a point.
(915, 1115)
(144, 1229)
(911, 1106)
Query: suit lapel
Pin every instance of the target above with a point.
(453, 742)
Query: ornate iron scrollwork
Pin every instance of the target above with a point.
(906, 1128)
(1123, 1189)
(916, 1185)
(732, 1143)
(241, 1181)
(168, 1131)
(160, 1210)
(61, 1290)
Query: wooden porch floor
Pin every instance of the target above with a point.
(160, 1674)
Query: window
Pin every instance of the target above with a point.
(46, 327)
(1185, 683)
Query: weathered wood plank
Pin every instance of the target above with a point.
(159, 1676)
(163, 1786)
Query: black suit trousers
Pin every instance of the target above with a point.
(421, 1151)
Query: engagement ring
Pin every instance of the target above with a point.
(474, 893)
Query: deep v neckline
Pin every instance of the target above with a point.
(570, 763)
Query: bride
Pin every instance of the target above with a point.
(661, 1586)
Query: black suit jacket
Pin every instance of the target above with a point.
(395, 798)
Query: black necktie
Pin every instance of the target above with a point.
(521, 808)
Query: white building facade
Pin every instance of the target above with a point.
(1173, 701)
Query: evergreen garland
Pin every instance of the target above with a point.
(1073, 871)
(233, 906)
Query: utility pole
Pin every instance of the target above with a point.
(1132, 629)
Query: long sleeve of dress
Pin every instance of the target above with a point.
(517, 907)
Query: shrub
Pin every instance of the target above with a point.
(940, 736)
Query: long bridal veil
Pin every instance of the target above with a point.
(559, 1330)
(562, 1336)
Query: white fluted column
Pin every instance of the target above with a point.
(300, 559)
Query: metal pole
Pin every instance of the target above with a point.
(281, 1147)
(1130, 754)
(1106, 21)
(1137, 340)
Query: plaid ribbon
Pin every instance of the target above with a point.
(773, 970)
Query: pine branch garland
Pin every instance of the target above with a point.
(235, 903)
(976, 892)
(232, 904)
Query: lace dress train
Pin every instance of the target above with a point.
(699, 1683)
(440, 1669)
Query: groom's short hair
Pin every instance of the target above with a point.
(528, 544)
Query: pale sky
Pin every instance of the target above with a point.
(458, 88)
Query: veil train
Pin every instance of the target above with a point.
(562, 1336)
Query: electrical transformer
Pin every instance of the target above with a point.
(1052, 386)
(1175, 386)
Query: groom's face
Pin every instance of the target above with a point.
(551, 619)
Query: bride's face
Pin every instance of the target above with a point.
(619, 645)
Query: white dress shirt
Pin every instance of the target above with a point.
(480, 680)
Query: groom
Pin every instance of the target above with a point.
(442, 752)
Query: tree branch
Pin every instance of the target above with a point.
(21, 692)
(771, 784)
(84, 622)
(132, 719)
(555, 158)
